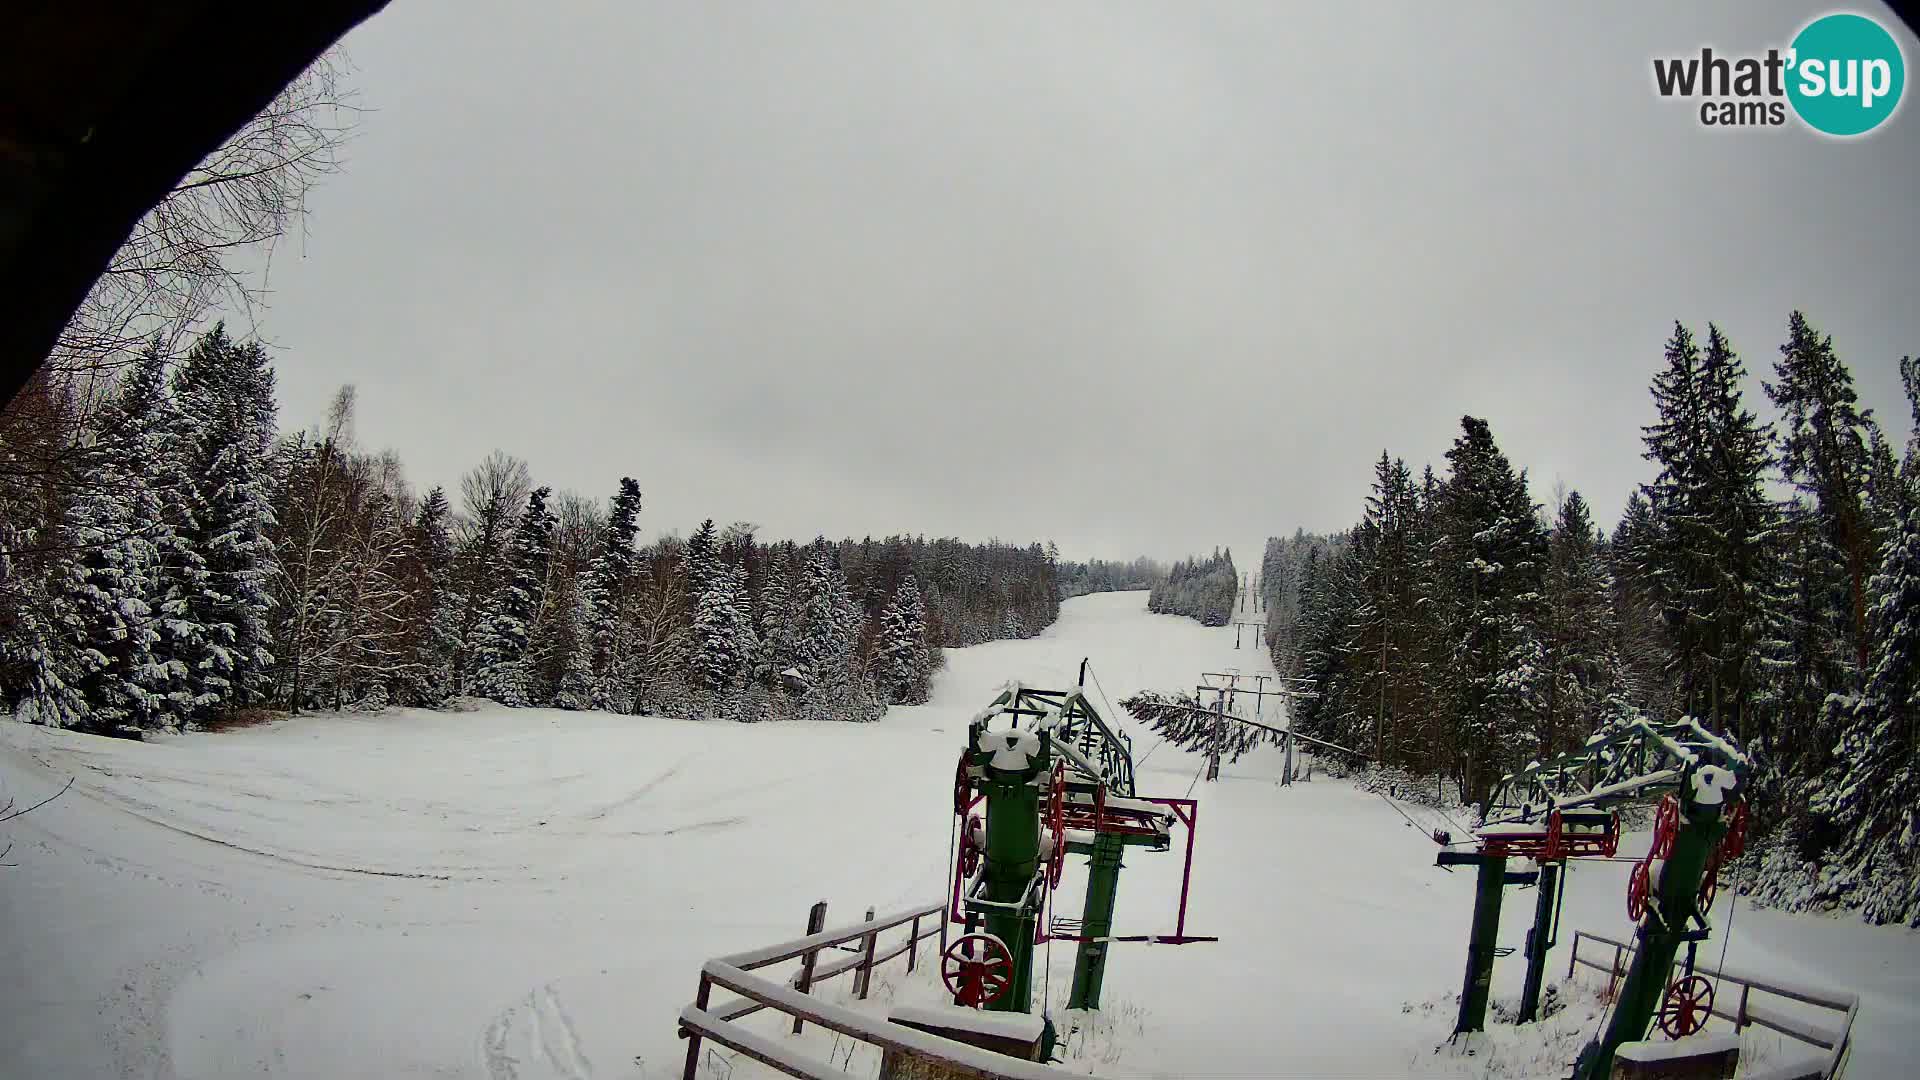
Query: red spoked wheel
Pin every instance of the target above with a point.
(969, 851)
(1613, 837)
(1734, 844)
(1709, 883)
(1639, 884)
(1689, 1002)
(1666, 826)
(978, 969)
(1057, 822)
(1552, 849)
(962, 787)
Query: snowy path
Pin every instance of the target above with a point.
(529, 894)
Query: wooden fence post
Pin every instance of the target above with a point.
(693, 1037)
(816, 922)
(866, 964)
(913, 945)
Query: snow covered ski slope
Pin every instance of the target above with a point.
(529, 894)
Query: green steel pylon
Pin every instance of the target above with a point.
(1539, 940)
(1103, 886)
(1013, 770)
(1673, 901)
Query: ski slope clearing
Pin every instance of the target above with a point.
(529, 894)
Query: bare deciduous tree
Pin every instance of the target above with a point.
(179, 263)
(206, 246)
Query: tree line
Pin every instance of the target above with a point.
(1766, 582)
(1202, 589)
(1101, 576)
(190, 563)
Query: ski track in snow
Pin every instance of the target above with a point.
(528, 894)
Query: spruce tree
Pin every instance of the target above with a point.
(717, 650)
(1824, 453)
(576, 685)
(1496, 550)
(101, 600)
(778, 617)
(153, 436)
(502, 671)
(225, 394)
(1872, 794)
(1715, 530)
(900, 662)
(436, 617)
(610, 587)
(702, 558)
(1578, 631)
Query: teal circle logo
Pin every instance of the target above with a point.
(1845, 75)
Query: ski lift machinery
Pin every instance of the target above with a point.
(1043, 776)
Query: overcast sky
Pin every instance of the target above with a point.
(1136, 277)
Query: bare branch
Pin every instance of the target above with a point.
(11, 814)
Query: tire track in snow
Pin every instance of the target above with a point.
(628, 800)
(417, 875)
(536, 1035)
(563, 1047)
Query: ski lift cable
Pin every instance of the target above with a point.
(1104, 699)
(1115, 712)
(1410, 821)
(1196, 778)
(1733, 907)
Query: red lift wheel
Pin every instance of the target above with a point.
(1666, 826)
(1709, 883)
(969, 851)
(1057, 821)
(1734, 844)
(1639, 883)
(1689, 1002)
(962, 787)
(972, 981)
(1613, 837)
(1551, 851)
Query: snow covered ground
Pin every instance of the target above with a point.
(529, 894)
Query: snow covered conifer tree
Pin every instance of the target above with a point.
(36, 654)
(1715, 529)
(900, 662)
(611, 582)
(777, 615)
(225, 394)
(1497, 550)
(500, 650)
(1577, 634)
(1872, 795)
(1824, 452)
(576, 689)
(436, 618)
(717, 619)
(702, 557)
(102, 601)
(746, 641)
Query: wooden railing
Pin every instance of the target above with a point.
(1835, 1041)
(702, 1020)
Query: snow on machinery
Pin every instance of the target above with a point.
(1566, 809)
(1042, 776)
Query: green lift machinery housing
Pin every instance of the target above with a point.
(1043, 776)
(1565, 809)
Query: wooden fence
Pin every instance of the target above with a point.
(861, 941)
(1835, 1040)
